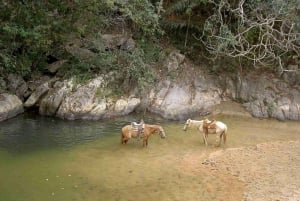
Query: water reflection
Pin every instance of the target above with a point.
(29, 131)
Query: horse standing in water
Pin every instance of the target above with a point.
(208, 127)
(129, 132)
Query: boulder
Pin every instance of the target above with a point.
(52, 101)
(126, 106)
(10, 106)
(179, 101)
(87, 102)
(35, 97)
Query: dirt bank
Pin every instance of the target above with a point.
(269, 170)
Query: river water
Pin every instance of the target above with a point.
(45, 158)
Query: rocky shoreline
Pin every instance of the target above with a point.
(263, 96)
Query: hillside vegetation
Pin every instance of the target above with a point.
(247, 35)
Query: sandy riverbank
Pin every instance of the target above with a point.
(269, 170)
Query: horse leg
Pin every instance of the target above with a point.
(224, 137)
(218, 139)
(205, 138)
(122, 138)
(145, 142)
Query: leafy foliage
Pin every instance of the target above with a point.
(142, 14)
(31, 31)
(254, 30)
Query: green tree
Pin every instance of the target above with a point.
(29, 31)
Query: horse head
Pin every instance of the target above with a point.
(162, 132)
(187, 124)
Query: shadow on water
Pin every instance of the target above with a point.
(30, 131)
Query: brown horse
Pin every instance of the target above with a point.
(128, 132)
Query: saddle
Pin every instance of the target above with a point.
(139, 128)
(209, 124)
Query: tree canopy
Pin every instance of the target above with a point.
(265, 33)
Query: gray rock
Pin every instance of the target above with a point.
(126, 106)
(10, 106)
(52, 101)
(175, 101)
(35, 97)
(84, 102)
(266, 97)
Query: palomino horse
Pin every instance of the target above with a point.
(128, 132)
(218, 128)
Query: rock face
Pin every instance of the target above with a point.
(178, 101)
(266, 97)
(10, 106)
(183, 91)
(71, 102)
(52, 101)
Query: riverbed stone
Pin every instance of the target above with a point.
(51, 102)
(77, 105)
(36, 95)
(123, 106)
(10, 106)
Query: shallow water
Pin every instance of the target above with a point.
(46, 158)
